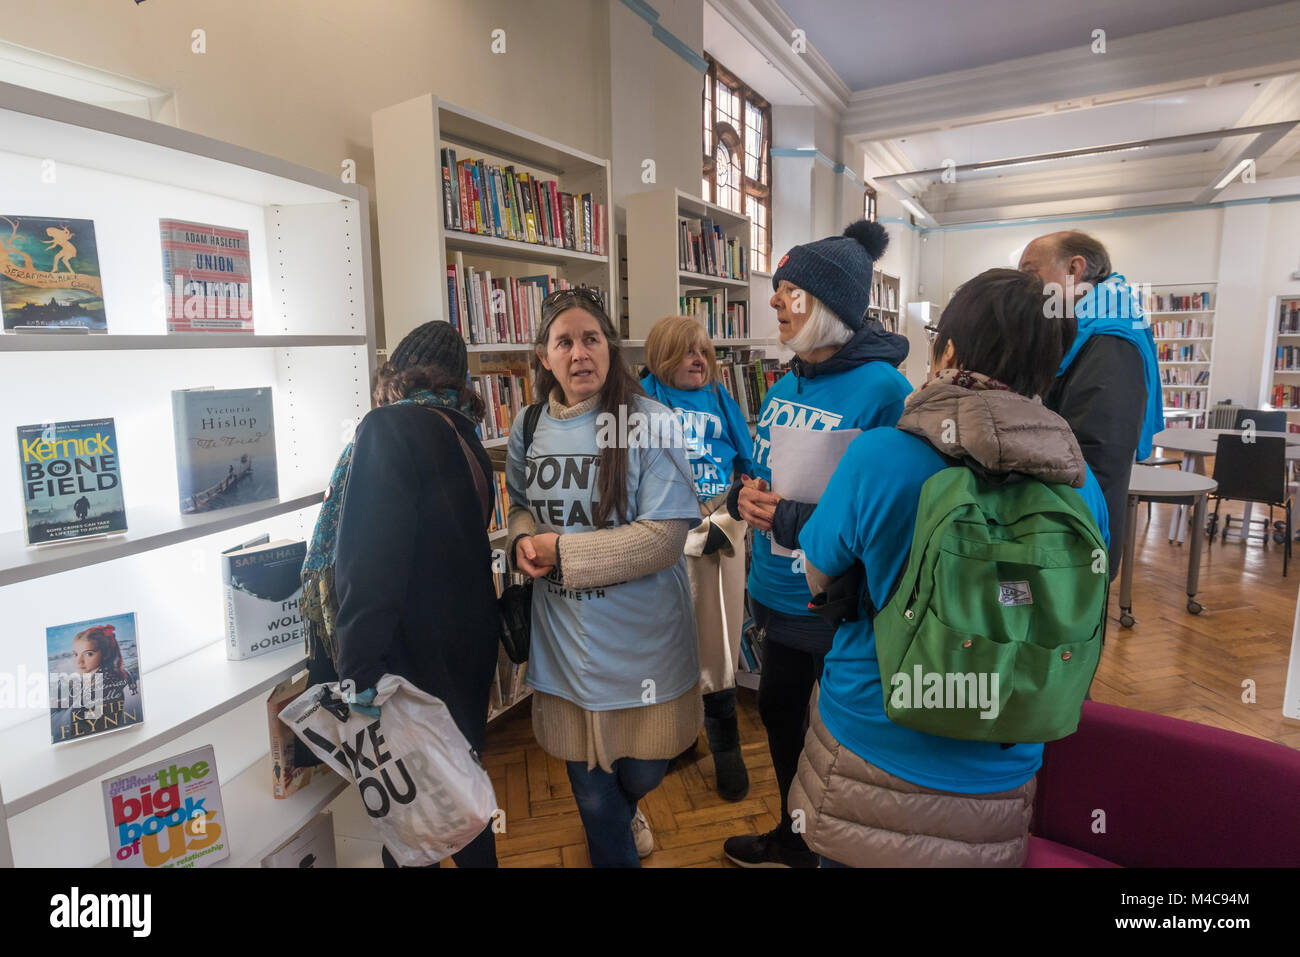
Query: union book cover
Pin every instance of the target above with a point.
(71, 480)
(168, 814)
(262, 584)
(208, 275)
(49, 275)
(225, 448)
(94, 677)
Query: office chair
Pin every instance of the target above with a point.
(1253, 472)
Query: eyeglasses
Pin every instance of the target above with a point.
(931, 330)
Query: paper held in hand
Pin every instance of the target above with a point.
(802, 463)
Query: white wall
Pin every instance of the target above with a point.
(299, 80)
(1250, 250)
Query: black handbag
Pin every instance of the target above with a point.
(515, 604)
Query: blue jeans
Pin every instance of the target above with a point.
(827, 862)
(607, 803)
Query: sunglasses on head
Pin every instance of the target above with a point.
(573, 295)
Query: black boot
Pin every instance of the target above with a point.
(728, 763)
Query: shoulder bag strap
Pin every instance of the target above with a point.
(480, 482)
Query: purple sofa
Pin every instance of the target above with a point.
(1174, 793)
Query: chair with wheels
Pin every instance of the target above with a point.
(1253, 471)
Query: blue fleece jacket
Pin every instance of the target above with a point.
(857, 388)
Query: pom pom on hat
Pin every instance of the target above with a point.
(873, 237)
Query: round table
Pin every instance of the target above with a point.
(1196, 444)
(1148, 483)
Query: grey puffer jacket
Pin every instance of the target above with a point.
(1000, 430)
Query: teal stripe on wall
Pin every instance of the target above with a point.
(651, 16)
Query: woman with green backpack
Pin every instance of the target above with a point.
(959, 552)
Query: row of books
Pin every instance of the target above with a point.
(480, 197)
(1191, 399)
(497, 311)
(1288, 319)
(1184, 377)
(883, 294)
(1183, 329)
(1166, 302)
(500, 503)
(748, 376)
(1288, 359)
(1170, 353)
(721, 319)
(506, 389)
(72, 471)
(55, 282)
(703, 247)
(1286, 397)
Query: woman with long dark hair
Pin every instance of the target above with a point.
(599, 518)
(413, 563)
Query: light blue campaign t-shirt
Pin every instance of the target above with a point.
(716, 434)
(863, 397)
(868, 512)
(617, 646)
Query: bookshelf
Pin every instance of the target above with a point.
(886, 299)
(1280, 381)
(418, 242)
(1182, 323)
(657, 274)
(314, 344)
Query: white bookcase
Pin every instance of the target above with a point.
(416, 245)
(314, 345)
(886, 300)
(1281, 369)
(1185, 348)
(655, 277)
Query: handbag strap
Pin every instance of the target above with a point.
(475, 469)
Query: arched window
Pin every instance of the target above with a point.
(738, 155)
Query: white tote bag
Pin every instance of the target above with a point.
(420, 781)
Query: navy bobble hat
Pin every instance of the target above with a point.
(435, 343)
(837, 270)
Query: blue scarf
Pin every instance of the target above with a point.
(1110, 308)
(319, 604)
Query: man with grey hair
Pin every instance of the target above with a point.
(1108, 384)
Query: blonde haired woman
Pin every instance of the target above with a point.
(682, 373)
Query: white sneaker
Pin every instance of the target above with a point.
(641, 833)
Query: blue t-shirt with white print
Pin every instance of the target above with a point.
(863, 397)
(868, 512)
(714, 429)
(598, 647)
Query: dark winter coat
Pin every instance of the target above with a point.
(1103, 397)
(413, 569)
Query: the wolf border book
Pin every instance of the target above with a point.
(225, 448)
(49, 275)
(71, 480)
(261, 584)
(94, 671)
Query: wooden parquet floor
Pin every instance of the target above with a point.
(1174, 663)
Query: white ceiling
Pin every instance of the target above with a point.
(876, 43)
(1189, 112)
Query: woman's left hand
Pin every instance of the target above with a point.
(547, 547)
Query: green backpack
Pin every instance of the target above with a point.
(995, 628)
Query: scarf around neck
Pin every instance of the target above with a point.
(319, 603)
(1111, 308)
